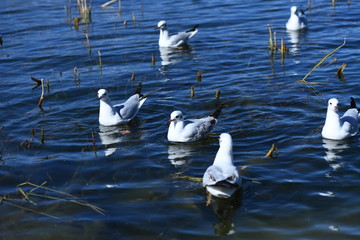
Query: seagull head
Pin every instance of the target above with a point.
(176, 116)
(102, 93)
(161, 25)
(225, 140)
(293, 9)
(333, 104)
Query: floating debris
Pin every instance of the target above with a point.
(327, 194)
(132, 77)
(334, 228)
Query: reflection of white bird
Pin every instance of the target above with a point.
(176, 40)
(297, 20)
(190, 130)
(178, 154)
(337, 128)
(110, 137)
(222, 178)
(333, 149)
(110, 115)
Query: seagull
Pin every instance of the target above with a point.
(190, 130)
(110, 115)
(336, 127)
(176, 40)
(297, 20)
(222, 178)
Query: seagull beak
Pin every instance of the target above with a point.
(157, 27)
(170, 120)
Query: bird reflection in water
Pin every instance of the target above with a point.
(225, 208)
(111, 137)
(172, 55)
(295, 39)
(179, 154)
(332, 150)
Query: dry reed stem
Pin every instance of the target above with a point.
(192, 91)
(153, 59)
(340, 71)
(85, 10)
(271, 151)
(42, 95)
(199, 76)
(217, 94)
(303, 80)
(271, 43)
(107, 3)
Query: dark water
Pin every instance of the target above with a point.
(310, 191)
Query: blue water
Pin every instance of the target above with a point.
(310, 191)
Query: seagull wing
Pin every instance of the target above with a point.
(128, 109)
(196, 128)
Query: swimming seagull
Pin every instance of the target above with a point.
(110, 115)
(190, 130)
(297, 20)
(222, 178)
(176, 40)
(336, 127)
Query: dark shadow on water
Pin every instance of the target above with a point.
(225, 209)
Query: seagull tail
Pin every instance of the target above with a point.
(138, 89)
(304, 10)
(352, 103)
(217, 112)
(193, 29)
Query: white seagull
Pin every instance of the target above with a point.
(176, 40)
(297, 20)
(222, 178)
(110, 115)
(336, 127)
(190, 130)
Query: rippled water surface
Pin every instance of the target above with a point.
(128, 173)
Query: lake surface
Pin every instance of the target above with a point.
(309, 191)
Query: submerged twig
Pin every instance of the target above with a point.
(70, 198)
